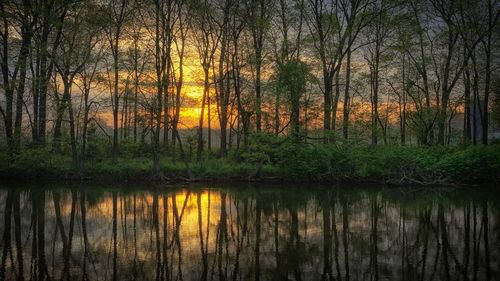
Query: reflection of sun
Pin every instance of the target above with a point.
(190, 199)
(188, 210)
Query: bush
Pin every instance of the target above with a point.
(38, 163)
(470, 164)
(388, 163)
(271, 156)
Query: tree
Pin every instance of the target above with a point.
(493, 15)
(74, 52)
(184, 17)
(14, 83)
(258, 17)
(207, 40)
(288, 21)
(163, 13)
(378, 34)
(47, 37)
(118, 10)
(449, 66)
(89, 79)
(358, 17)
(222, 93)
(329, 30)
(293, 77)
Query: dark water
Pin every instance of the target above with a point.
(57, 232)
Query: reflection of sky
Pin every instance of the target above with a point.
(138, 244)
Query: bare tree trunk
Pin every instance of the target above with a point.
(116, 100)
(74, 151)
(114, 35)
(259, 15)
(206, 89)
(84, 130)
(335, 102)
(487, 75)
(7, 84)
(223, 93)
(23, 54)
(136, 83)
(180, 79)
(209, 122)
(61, 108)
(347, 96)
(402, 118)
(46, 67)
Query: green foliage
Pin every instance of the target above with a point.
(97, 149)
(470, 164)
(4, 157)
(36, 163)
(124, 169)
(221, 169)
(262, 148)
(321, 162)
(131, 149)
(269, 156)
(293, 77)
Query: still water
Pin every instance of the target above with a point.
(241, 232)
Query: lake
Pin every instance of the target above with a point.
(55, 231)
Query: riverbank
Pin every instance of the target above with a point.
(397, 165)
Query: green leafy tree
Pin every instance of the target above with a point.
(293, 77)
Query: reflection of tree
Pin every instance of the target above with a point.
(134, 218)
(486, 243)
(466, 241)
(335, 239)
(123, 216)
(444, 252)
(176, 238)
(203, 244)
(165, 265)
(83, 214)
(67, 239)
(424, 226)
(327, 240)
(444, 242)
(222, 237)
(6, 234)
(241, 234)
(345, 236)
(295, 243)
(258, 210)
(447, 248)
(475, 243)
(115, 253)
(157, 237)
(406, 266)
(259, 238)
(279, 273)
(17, 233)
(38, 218)
(375, 210)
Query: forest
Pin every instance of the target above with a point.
(392, 91)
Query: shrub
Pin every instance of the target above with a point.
(271, 156)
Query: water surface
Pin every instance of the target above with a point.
(241, 232)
